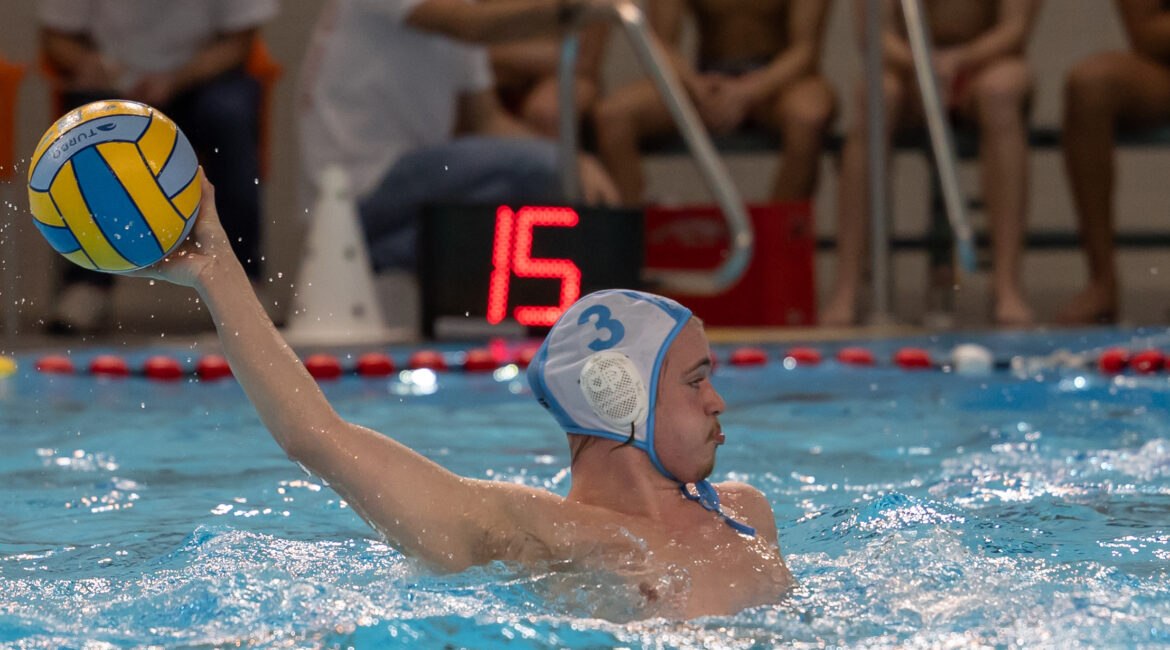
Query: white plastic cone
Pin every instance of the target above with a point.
(334, 300)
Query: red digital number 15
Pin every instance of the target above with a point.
(512, 253)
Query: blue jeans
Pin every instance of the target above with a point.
(473, 169)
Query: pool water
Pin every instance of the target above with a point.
(925, 508)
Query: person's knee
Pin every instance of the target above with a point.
(1001, 94)
(1091, 82)
(808, 113)
(544, 118)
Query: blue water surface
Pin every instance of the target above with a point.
(1029, 506)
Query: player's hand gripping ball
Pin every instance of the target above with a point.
(113, 186)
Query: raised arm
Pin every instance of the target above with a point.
(422, 509)
(1147, 24)
(498, 22)
(540, 57)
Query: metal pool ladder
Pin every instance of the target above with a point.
(652, 58)
(654, 61)
(942, 146)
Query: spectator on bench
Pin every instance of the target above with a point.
(757, 63)
(400, 95)
(1105, 92)
(526, 77)
(983, 79)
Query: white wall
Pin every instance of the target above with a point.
(1067, 31)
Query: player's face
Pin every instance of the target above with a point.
(686, 415)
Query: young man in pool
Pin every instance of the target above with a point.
(639, 507)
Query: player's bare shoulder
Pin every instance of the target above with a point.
(749, 504)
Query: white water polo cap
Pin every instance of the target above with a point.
(597, 370)
(597, 373)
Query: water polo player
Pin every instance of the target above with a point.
(626, 374)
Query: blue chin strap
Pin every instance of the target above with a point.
(707, 497)
(704, 494)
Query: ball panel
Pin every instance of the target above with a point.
(81, 259)
(116, 128)
(107, 107)
(159, 214)
(67, 196)
(59, 238)
(158, 142)
(43, 209)
(113, 211)
(92, 111)
(180, 169)
(74, 212)
(187, 201)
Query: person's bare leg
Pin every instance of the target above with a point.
(1101, 91)
(853, 206)
(541, 109)
(802, 113)
(999, 93)
(622, 120)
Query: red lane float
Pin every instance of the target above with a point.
(109, 365)
(1113, 361)
(375, 364)
(429, 359)
(212, 367)
(804, 356)
(912, 358)
(748, 357)
(55, 364)
(162, 368)
(524, 356)
(323, 366)
(855, 356)
(1148, 361)
(480, 360)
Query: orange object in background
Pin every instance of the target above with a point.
(10, 76)
(777, 289)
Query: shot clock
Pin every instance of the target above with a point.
(503, 268)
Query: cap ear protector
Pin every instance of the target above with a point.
(614, 390)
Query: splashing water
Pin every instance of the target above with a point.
(915, 509)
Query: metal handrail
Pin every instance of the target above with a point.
(941, 138)
(655, 62)
(942, 146)
(879, 203)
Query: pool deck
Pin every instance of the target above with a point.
(159, 315)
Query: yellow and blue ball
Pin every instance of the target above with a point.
(114, 186)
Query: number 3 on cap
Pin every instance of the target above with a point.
(604, 321)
